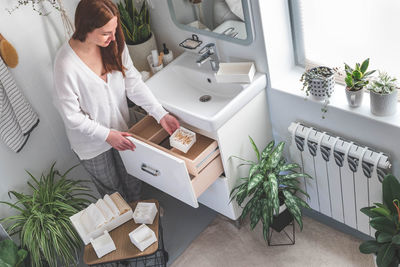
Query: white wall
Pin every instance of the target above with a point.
(36, 40)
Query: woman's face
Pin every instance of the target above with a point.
(103, 36)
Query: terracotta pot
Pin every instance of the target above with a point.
(140, 52)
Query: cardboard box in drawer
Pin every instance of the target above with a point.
(107, 214)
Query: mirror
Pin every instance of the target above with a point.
(223, 19)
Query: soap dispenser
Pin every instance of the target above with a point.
(168, 57)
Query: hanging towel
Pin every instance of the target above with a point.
(17, 119)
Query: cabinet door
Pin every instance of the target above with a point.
(161, 170)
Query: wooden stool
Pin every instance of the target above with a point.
(127, 253)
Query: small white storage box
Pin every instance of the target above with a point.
(240, 72)
(103, 244)
(182, 139)
(142, 237)
(145, 213)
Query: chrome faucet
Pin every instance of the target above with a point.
(209, 52)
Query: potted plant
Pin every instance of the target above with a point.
(11, 255)
(356, 79)
(320, 83)
(383, 95)
(385, 219)
(138, 36)
(270, 180)
(42, 220)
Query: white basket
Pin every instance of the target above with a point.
(174, 139)
(145, 213)
(142, 237)
(103, 244)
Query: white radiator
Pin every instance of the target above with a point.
(346, 176)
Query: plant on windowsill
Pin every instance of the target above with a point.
(385, 219)
(42, 219)
(138, 36)
(11, 255)
(319, 82)
(383, 95)
(270, 180)
(356, 79)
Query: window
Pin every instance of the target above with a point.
(333, 32)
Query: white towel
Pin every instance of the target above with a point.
(236, 7)
(110, 203)
(92, 218)
(17, 119)
(105, 210)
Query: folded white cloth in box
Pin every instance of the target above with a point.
(110, 203)
(105, 210)
(92, 218)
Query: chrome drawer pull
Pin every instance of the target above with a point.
(150, 170)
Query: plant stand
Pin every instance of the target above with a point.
(282, 222)
(289, 235)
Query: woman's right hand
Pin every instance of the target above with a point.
(119, 141)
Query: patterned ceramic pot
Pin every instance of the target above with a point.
(321, 89)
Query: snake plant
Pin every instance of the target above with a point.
(385, 219)
(42, 219)
(135, 25)
(269, 177)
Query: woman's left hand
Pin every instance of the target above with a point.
(169, 123)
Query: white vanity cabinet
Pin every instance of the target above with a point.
(206, 173)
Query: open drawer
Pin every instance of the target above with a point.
(183, 176)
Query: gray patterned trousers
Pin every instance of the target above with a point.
(109, 175)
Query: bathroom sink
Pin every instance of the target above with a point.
(192, 94)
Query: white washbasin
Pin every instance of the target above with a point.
(181, 84)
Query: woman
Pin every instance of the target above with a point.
(93, 75)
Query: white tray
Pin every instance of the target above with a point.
(145, 213)
(142, 237)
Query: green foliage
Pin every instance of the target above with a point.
(384, 84)
(357, 78)
(42, 219)
(269, 177)
(385, 219)
(318, 73)
(135, 24)
(10, 255)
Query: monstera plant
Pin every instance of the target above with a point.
(270, 179)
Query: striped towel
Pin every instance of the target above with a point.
(17, 119)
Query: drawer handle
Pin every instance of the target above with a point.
(150, 170)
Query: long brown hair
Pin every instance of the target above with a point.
(93, 14)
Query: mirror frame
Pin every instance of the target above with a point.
(248, 22)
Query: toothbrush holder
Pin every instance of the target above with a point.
(154, 69)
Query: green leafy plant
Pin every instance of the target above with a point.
(10, 255)
(136, 25)
(269, 177)
(385, 219)
(357, 78)
(384, 84)
(42, 219)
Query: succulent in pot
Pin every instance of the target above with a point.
(356, 79)
(319, 82)
(383, 95)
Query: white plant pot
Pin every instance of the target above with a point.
(322, 89)
(354, 98)
(140, 52)
(383, 105)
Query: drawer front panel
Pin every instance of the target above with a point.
(161, 170)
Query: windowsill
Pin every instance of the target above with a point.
(290, 84)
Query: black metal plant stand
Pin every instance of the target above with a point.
(279, 225)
